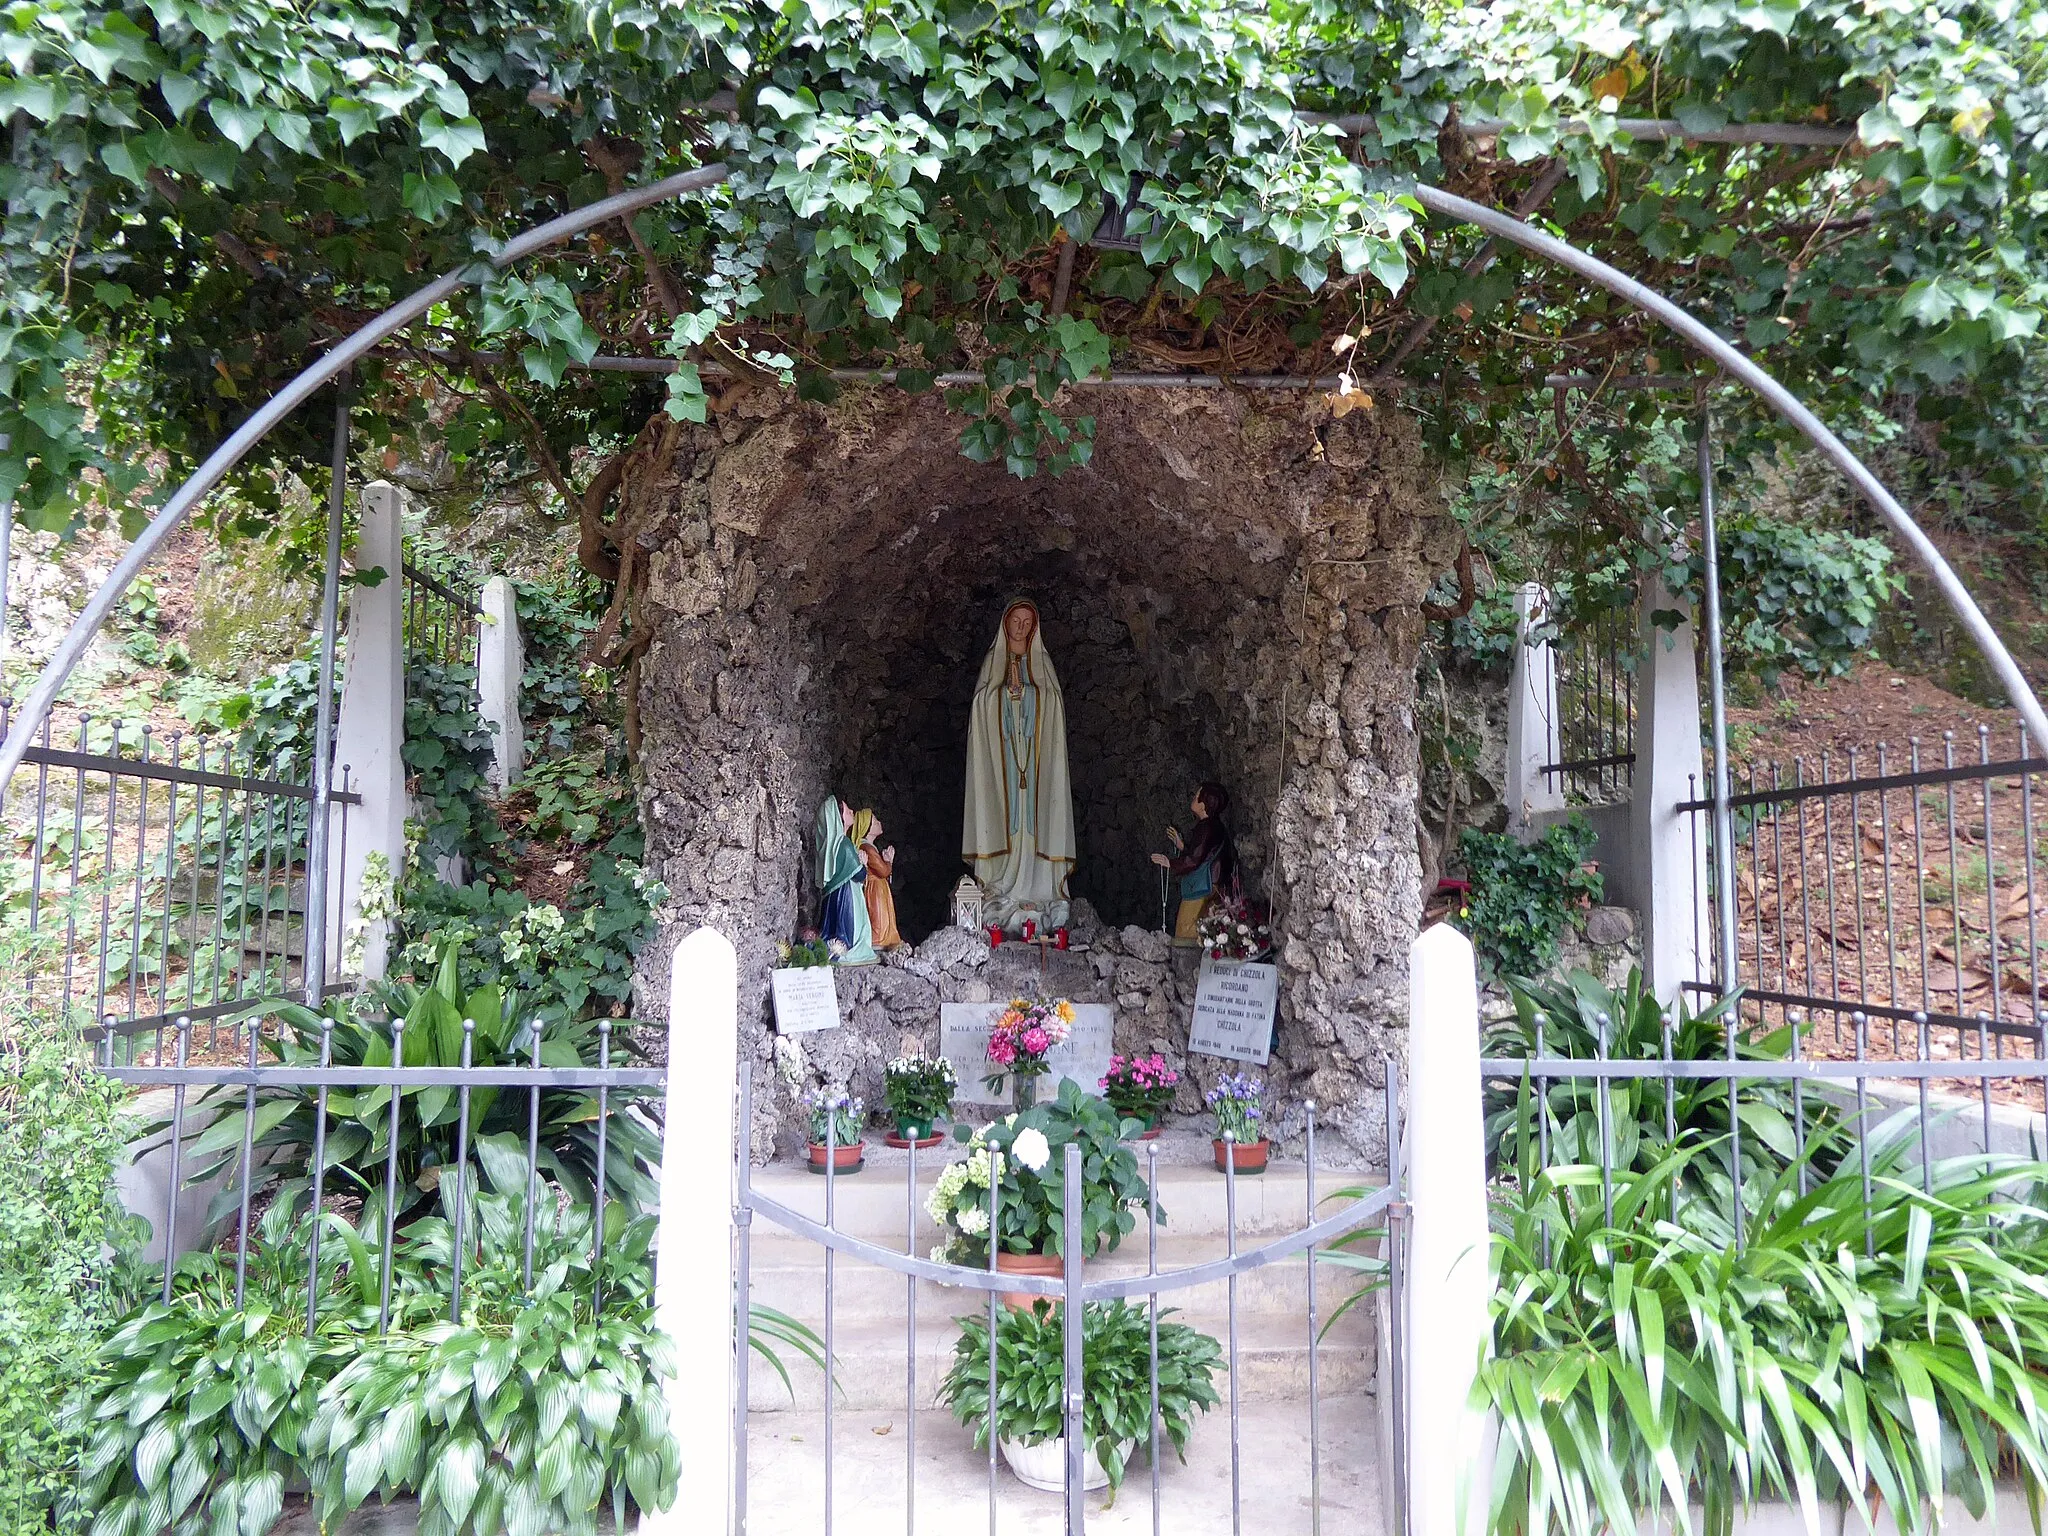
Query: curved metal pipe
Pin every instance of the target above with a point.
(28, 720)
(30, 717)
(1781, 400)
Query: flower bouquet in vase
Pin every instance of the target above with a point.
(1238, 1103)
(1139, 1088)
(1021, 1039)
(1235, 935)
(920, 1093)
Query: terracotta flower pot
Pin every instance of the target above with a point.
(1027, 1264)
(1250, 1156)
(845, 1159)
(913, 1133)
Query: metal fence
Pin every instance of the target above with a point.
(309, 1076)
(1863, 1117)
(156, 875)
(1072, 1291)
(1898, 883)
(442, 615)
(342, 1095)
(1595, 726)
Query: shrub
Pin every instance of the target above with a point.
(572, 965)
(1115, 1378)
(1526, 895)
(60, 1141)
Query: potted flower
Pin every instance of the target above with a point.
(1240, 1123)
(1024, 1156)
(920, 1092)
(1140, 1088)
(1116, 1411)
(1018, 1044)
(836, 1120)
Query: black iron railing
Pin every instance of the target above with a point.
(1594, 731)
(156, 875)
(1898, 882)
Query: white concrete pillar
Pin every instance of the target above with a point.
(1532, 719)
(1448, 1284)
(1667, 855)
(368, 737)
(693, 1264)
(500, 663)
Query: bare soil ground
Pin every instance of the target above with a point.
(1914, 898)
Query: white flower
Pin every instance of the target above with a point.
(940, 1254)
(973, 1221)
(1032, 1149)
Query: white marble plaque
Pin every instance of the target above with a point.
(963, 1040)
(1234, 1002)
(806, 999)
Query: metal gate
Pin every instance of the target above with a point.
(1383, 1208)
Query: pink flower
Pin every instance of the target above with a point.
(1001, 1050)
(1036, 1041)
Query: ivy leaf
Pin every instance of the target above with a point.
(428, 197)
(243, 125)
(686, 399)
(457, 140)
(181, 93)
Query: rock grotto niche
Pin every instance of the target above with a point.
(1230, 589)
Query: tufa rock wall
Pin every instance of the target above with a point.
(1230, 590)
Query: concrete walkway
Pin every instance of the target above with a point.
(786, 1478)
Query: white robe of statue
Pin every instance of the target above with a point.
(1017, 833)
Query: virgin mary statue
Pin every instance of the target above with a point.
(1017, 834)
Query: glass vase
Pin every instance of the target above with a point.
(1027, 1089)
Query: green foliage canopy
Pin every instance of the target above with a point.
(202, 194)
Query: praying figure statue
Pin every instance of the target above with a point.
(1017, 833)
(881, 867)
(843, 921)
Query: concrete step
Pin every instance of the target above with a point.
(793, 1281)
(873, 1361)
(872, 1204)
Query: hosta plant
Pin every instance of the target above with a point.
(195, 1424)
(1115, 1378)
(359, 1127)
(535, 1409)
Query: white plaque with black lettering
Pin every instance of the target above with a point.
(806, 999)
(963, 1040)
(1234, 1001)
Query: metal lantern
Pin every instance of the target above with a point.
(967, 904)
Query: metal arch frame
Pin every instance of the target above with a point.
(68, 653)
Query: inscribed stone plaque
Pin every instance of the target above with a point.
(806, 999)
(1234, 1010)
(963, 1040)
